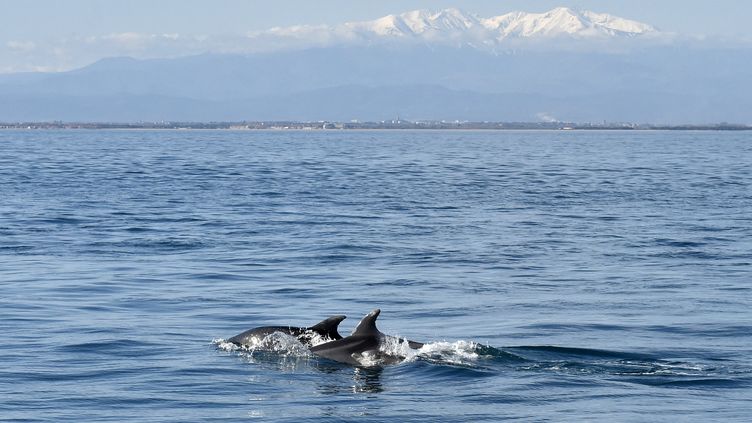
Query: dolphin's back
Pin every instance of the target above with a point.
(246, 338)
(343, 349)
(326, 328)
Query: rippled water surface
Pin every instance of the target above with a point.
(562, 276)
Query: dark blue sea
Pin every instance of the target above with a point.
(554, 276)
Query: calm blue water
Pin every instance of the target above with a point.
(562, 276)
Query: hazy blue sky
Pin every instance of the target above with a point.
(61, 34)
(41, 18)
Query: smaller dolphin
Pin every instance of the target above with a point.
(365, 339)
(326, 328)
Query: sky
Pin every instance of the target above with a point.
(55, 35)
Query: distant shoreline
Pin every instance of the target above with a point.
(377, 126)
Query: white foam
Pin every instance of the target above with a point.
(395, 350)
(369, 359)
(458, 352)
(317, 339)
(398, 347)
(277, 342)
(225, 345)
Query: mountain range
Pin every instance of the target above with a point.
(563, 65)
(455, 26)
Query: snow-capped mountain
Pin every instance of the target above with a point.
(418, 22)
(452, 25)
(564, 21)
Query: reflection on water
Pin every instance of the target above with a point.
(367, 380)
(362, 379)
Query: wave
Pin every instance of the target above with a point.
(480, 360)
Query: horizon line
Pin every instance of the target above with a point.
(404, 124)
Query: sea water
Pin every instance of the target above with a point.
(560, 276)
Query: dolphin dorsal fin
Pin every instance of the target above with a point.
(367, 326)
(328, 327)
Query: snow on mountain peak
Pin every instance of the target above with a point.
(449, 19)
(619, 24)
(555, 22)
(564, 21)
(417, 22)
(456, 26)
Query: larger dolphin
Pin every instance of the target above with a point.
(366, 339)
(326, 328)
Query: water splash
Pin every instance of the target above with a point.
(278, 343)
(395, 350)
(459, 353)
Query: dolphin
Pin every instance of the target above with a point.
(365, 339)
(326, 328)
